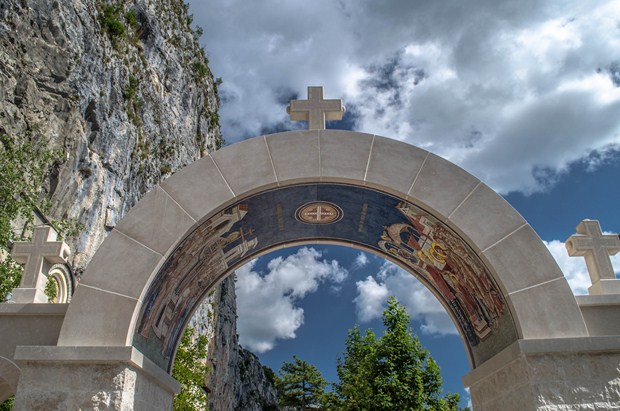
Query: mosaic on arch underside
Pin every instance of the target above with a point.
(328, 212)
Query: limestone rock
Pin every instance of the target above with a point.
(125, 110)
(237, 380)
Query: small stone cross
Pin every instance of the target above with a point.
(315, 110)
(591, 243)
(37, 256)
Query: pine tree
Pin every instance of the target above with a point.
(300, 385)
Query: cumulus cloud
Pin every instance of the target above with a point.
(574, 268)
(361, 261)
(514, 92)
(266, 303)
(420, 304)
(371, 298)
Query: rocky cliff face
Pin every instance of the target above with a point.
(123, 90)
(237, 381)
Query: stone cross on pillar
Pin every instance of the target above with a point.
(591, 243)
(37, 255)
(315, 110)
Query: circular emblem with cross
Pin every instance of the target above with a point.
(319, 212)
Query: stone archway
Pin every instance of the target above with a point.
(151, 272)
(128, 261)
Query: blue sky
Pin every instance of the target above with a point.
(524, 95)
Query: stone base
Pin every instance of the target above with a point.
(28, 296)
(9, 378)
(91, 378)
(605, 286)
(550, 375)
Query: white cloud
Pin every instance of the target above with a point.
(574, 268)
(266, 304)
(371, 298)
(419, 302)
(360, 261)
(468, 397)
(512, 91)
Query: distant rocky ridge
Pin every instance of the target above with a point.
(123, 90)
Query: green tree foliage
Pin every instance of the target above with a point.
(51, 289)
(393, 372)
(23, 167)
(189, 369)
(7, 405)
(300, 385)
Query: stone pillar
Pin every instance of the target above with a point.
(549, 375)
(91, 378)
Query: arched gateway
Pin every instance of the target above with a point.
(525, 332)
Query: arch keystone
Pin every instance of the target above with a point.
(344, 155)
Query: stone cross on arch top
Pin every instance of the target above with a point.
(596, 248)
(316, 110)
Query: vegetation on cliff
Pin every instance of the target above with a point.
(24, 165)
(190, 369)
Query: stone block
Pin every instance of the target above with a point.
(27, 324)
(199, 188)
(506, 389)
(441, 186)
(9, 378)
(295, 156)
(516, 399)
(393, 165)
(246, 175)
(112, 314)
(547, 310)
(550, 393)
(601, 319)
(121, 265)
(344, 155)
(485, 217)
(544, 369)
(95, 355)
(110, 386)
(157, 221)
(24, 295)
(572, 376)
(520, 265)
(605, 287)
